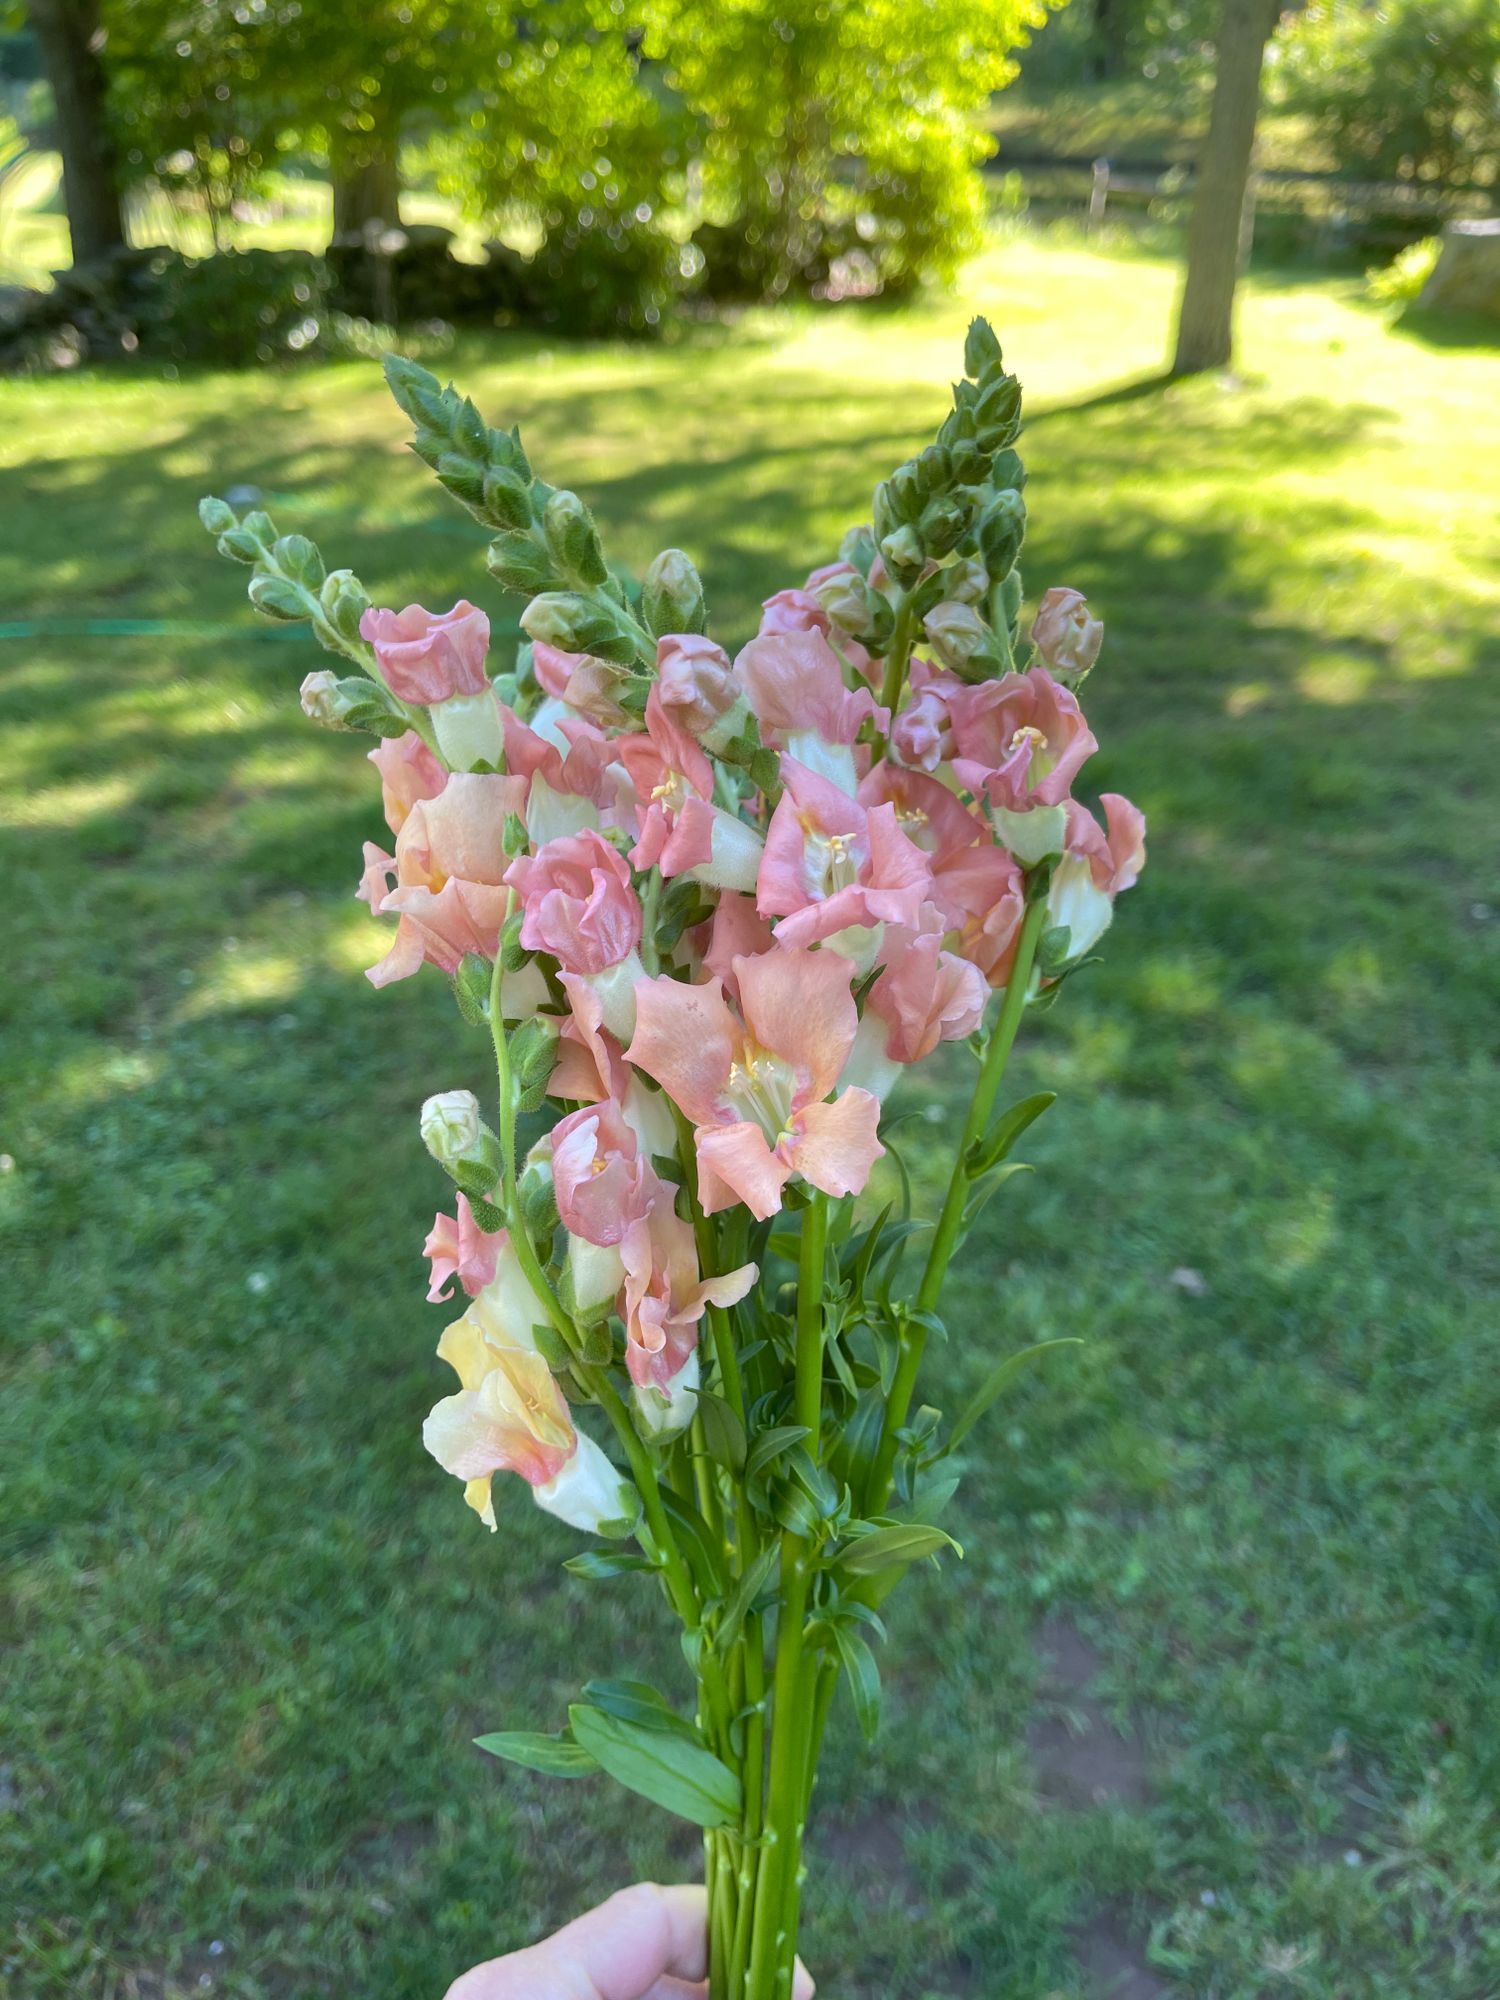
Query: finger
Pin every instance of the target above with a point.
(802, 1985)
(640, 1936)
(677, 1989)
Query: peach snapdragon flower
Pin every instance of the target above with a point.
(680, 829)
(444, 881)
(1094, 868)
(1019, 743)
(755, 1083)
(835, 870)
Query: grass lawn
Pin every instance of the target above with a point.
(1209, 1708)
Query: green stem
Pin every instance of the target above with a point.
(950, 1221)
(896, 661)
(808, 1393)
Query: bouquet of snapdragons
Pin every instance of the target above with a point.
(703, 913)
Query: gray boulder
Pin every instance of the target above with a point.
(1466, 276)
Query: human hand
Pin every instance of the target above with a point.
(645, 1943)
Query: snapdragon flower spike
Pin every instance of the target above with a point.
(794, 683)
(681, 830)
(444, 881)
(581, 908)
(755, 1083)
(1094, 868)
(835, 870)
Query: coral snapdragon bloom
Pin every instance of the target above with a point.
(834, 869)
(984, 894)
(408, 772)
(460, 1249)
(925, 995)
(666, 1295)
(582, 681)
(447, 872)
(794, 682)
(755, 1083)
(603, 1184)
(922, 734)
(681, 831)
(1094, 868)
(1019, 742)
(430, 656)
(933, 819)
(578, 901)
(695, 681)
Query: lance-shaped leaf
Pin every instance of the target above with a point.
(746, 1591)
(889, 1548)
(723, 1433)
(638, 1701)
(556, 1756)
(996, 1382)
(1008, 1127)
(864, 1678)
(597, 1564)
(680, 1776)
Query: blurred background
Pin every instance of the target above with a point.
(1208, 1711)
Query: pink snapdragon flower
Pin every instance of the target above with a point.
(460, 1249)
(444, 881)
(681, 831)
(408, 772)
(581, 681)
(925, 995)
(795, 686)
(696, 684)
(429, 656)
(754, 1083)
(1019, 743)
(1094, 868)
(836, 870)
(575, 778)
(510, 1416)
(666, 1295)
(986, 889)
(929, 815)
(1066, 633)
(603, 1184)
(578, 901)
(735, 930)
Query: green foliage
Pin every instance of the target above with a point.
(1408, 90)
(1399, 282)
(843, 135)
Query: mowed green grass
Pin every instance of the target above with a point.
(251, 1628)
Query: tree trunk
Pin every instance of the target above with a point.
(1218, 232)
(368, 191)
(1110, 43)
(70, 38)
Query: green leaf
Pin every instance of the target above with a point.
(887, 1548)
(1004, 1133)
(723, 1433)
(991, 1184)
(749, 1587)
(996, 1382)
(704, 1556)
(864, 1679)
(638, 1701)
(682, 1777)
(557, 1756)
(769, 1446)
(598, 1564)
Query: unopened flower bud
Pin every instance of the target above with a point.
(514, 838)
(672, 595)
(459, 1140)
(1066, 633)
(957, 632)
(345, 601)
(944, 523)
(520, 562)
(1001, 532)
(537, 1196)
(981, 350)
(295, 556)
(506, 497)
(576, 624)
(858, 547)
(216, 515)
(533, 1057)
(471, 988)
(352, 703)
(569, 529)
(966, 581)
(274, 597)
(903, 555)
(666, 1412)
(854, 607)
